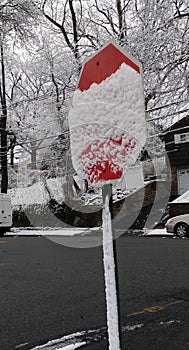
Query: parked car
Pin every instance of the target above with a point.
(5, 213)
(178, 225)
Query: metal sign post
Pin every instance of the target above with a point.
(110, 271)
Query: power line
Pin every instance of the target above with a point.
(168, 115)
(12, 105)
(32, 126)
(46, 96)
(38, 148)
(166, 106)
(58, 121)
(68, 139)
(44, 161)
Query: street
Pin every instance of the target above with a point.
(48, 291)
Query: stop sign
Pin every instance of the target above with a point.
(107, 119)
(105, 63)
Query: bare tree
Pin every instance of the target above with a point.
(3, 123)
(156, 32)
(14, 18)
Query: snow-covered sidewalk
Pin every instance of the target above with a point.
(52, 231)
(73, 231)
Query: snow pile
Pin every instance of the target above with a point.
(37, 194)
(184, 198)
(158, 232)
(96, 198)
(107, 124)
(27, 196)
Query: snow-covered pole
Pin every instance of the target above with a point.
(110, 271)
(107, 134)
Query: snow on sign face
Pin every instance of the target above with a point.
(107, 118)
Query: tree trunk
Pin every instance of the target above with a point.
(34, 158)
(12, 155)
(3, 120)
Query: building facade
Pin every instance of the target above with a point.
(177, 147)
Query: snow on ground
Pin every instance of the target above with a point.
(72, 347)
(157, 232)
(49, 232)
(27, 195)
(36, 194)
(55, 347)
(62, 343)
(133, 327)
(79, 339)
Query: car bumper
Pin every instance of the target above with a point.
(170, 227)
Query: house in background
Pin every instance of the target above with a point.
(176, 140)
(132, 179)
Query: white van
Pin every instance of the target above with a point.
(5, 213)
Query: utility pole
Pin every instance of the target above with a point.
(3, 124)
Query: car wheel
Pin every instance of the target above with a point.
(181, 230)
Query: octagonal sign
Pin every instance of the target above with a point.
(107, 118)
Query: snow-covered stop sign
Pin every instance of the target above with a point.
(107, 118)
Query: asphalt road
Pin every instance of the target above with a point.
(48, 290)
